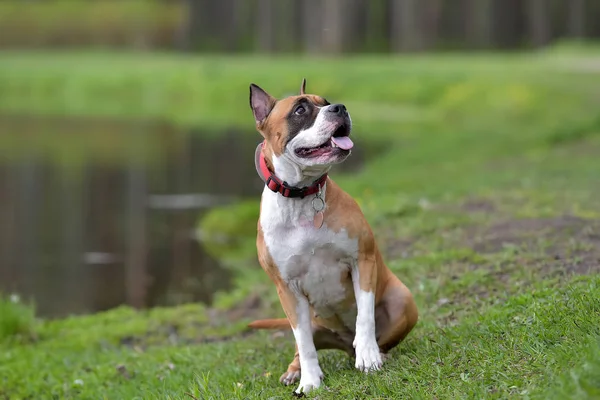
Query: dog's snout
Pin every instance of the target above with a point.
(338, 109)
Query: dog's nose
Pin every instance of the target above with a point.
(339, 109)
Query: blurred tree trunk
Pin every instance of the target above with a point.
(452, 23)
(183, 35)
(312, 17)
(431, 22)
(593, 10)
(396, 39)
(539, 22)
(354, 25)
(376, 26)
(212, 25)
(192, 29)
(333, 26)
(229, 18)
(265, 34)
(508, 23)
(405, 20)
(479, 23)
(576, 22)
(287, 26)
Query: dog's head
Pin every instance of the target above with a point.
(304, 134)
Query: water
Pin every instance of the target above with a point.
(96, 213)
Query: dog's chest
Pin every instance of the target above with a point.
(315, 261)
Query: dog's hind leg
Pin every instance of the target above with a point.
(293, 372)
(395, 317)
(326, 339)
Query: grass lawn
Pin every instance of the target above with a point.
(483, 194)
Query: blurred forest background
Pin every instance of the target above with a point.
(307, 26)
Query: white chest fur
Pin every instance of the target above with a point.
(310, 260)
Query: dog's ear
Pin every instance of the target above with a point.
(261, 103)
(303, 87)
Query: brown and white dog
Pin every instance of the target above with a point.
(315, 243)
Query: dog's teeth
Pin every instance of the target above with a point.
(333, 144)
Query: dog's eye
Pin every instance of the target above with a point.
(299, 110)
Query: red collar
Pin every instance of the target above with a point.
(282, 187)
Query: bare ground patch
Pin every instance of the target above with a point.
(478, 205)
(397, 248)
(173, 335)
(531, 249)
(565, 242)
(509, 255)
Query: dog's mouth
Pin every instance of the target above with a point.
(338, 143)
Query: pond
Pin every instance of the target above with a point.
(96, 213)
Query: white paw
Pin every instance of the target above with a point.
(310, 379)
(368, 357)
(289, 377)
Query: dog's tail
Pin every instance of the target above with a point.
(279, 323)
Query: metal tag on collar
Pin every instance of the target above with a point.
(318, 204)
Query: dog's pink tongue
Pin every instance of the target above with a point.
(343, 142)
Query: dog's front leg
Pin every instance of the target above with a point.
(297, 309)
(364, 279)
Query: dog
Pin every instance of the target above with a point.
(315, 244)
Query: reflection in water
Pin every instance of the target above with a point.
(96, 213)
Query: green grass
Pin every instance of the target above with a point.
(17, 320)
(483, 197)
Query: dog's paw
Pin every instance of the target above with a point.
(310, 379)
(368, 357)
(290, 377)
